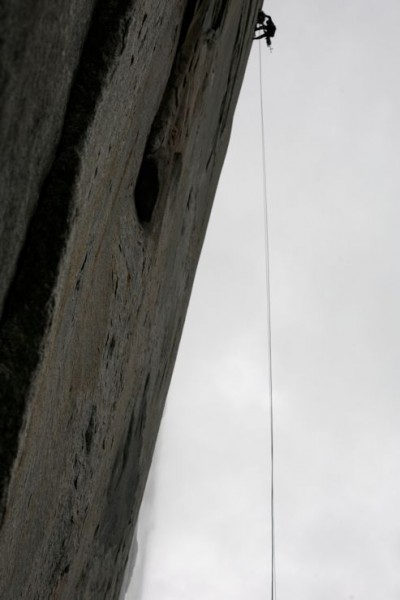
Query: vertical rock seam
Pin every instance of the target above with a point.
(135, 115)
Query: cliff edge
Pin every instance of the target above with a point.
(115, 117)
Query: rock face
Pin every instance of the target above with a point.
(114, 121)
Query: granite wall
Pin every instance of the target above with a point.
(115, 117)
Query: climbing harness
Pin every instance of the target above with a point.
(268, 290)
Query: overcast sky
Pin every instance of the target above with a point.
(332, 98)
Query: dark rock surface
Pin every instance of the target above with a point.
(114, 122)
(40, 47)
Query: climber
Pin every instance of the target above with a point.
(267, 26)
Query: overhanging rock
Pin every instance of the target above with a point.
(113, 139)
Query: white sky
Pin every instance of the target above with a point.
(332, 98)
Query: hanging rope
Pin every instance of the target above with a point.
(268, 285)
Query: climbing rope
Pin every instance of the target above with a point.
(268, 285)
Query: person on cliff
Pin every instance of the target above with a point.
(265, 25)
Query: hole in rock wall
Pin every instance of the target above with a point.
(147, 189)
